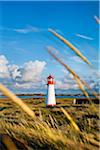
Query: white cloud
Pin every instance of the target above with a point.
(65, 71)
(67, 81)
(14, 71)
(4, 70)
(25, 76)
(3, 60)
(67, 74)
(69, 84)
(30, 76)
(21, 30)
(84, 37)
(27, 29)
(77, 59)
(27, 85)
(32, 70)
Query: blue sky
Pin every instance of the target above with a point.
(24, 34)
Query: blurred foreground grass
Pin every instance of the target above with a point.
(52, 130)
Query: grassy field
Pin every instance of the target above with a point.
(52, 129)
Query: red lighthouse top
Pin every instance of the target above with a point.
(50, 80)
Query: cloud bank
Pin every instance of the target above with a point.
(31, 76)
(24, 76)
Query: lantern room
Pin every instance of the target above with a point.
(50, 80)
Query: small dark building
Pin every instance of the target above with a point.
(86, 101)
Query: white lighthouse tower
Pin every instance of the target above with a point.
(51, 100)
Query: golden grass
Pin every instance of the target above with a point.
(51, 129)
(16, 100)
(9, 143)
(71, 120)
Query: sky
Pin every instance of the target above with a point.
(24, 60)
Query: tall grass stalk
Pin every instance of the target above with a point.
(16, 100)
(70, 46)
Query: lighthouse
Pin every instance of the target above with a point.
(51, 100)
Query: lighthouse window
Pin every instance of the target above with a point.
(49, 79)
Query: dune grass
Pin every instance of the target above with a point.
(51, 129)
